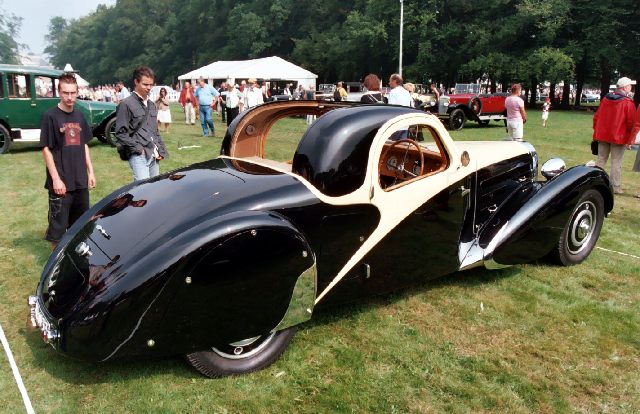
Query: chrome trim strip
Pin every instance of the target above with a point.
(302, 300)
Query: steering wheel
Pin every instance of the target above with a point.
(400, 171)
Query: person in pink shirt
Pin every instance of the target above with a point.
(516, 115)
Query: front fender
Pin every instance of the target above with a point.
(529, 225)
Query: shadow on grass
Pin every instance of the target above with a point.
(472, 277)
(80, 372)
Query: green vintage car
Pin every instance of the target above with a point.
(26, 92)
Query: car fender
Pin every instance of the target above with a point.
(238, 276)
(529, 225)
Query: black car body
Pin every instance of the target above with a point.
(222, 259)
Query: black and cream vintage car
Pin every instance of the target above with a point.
(220, 261)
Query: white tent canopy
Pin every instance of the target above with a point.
(270, 68)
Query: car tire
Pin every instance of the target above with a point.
(456, 119)
(243, 356)
(109, 135)
(581, 232)
(5, 139)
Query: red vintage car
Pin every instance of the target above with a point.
(467, 103)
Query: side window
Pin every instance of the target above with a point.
(44, 87)
(1, 86)
(411, 153)
(18, 86)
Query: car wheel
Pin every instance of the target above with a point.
(456, 119)
(581, 232)
(110, 132)
(5, 139)
(240, 357)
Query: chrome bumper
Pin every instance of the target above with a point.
(39, 320)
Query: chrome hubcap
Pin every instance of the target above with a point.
(582, 227)
(245, 348)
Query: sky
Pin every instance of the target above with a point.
(37, 13)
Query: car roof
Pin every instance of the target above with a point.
(30, 70)
(333, 153)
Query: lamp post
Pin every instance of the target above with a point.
(401, 24)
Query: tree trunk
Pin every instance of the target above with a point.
(580, 75)
(552, 94)
(504, 85)
(605, 79)
(534, 89)
(566, 93)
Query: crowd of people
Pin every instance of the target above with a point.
(104, 93)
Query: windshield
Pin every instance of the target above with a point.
(467, 88)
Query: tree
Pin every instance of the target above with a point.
(57, 30)
(9, 30)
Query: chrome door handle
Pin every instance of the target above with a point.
(33, 105)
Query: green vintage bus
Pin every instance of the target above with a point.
(26, 92)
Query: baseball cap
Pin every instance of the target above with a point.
(624, 81)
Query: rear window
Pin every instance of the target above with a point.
(18, 86)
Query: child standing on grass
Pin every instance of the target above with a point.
(545, 111)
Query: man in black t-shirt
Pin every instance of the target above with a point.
(64, 135)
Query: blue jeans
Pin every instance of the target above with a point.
(143, 168)
(206, 119)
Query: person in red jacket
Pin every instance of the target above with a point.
(189, 104)
(612, 126)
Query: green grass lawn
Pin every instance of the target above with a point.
(530, 338)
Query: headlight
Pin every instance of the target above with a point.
(552, 167)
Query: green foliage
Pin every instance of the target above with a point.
(446, 41)
(9, 30)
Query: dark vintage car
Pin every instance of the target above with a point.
(221, 260)
(26, 92)
(467, 103)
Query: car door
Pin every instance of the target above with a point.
(29, 97)
(423, 216)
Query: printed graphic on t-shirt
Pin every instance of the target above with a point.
(72, 133)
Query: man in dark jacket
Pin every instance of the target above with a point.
(137, 128)
(612, 126)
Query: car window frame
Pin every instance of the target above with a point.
(54, 87)
(388, 131)
(11, 84)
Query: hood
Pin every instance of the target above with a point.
(96, 112)
(485, 153)
(461, 97)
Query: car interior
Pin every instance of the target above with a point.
(411, 153)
